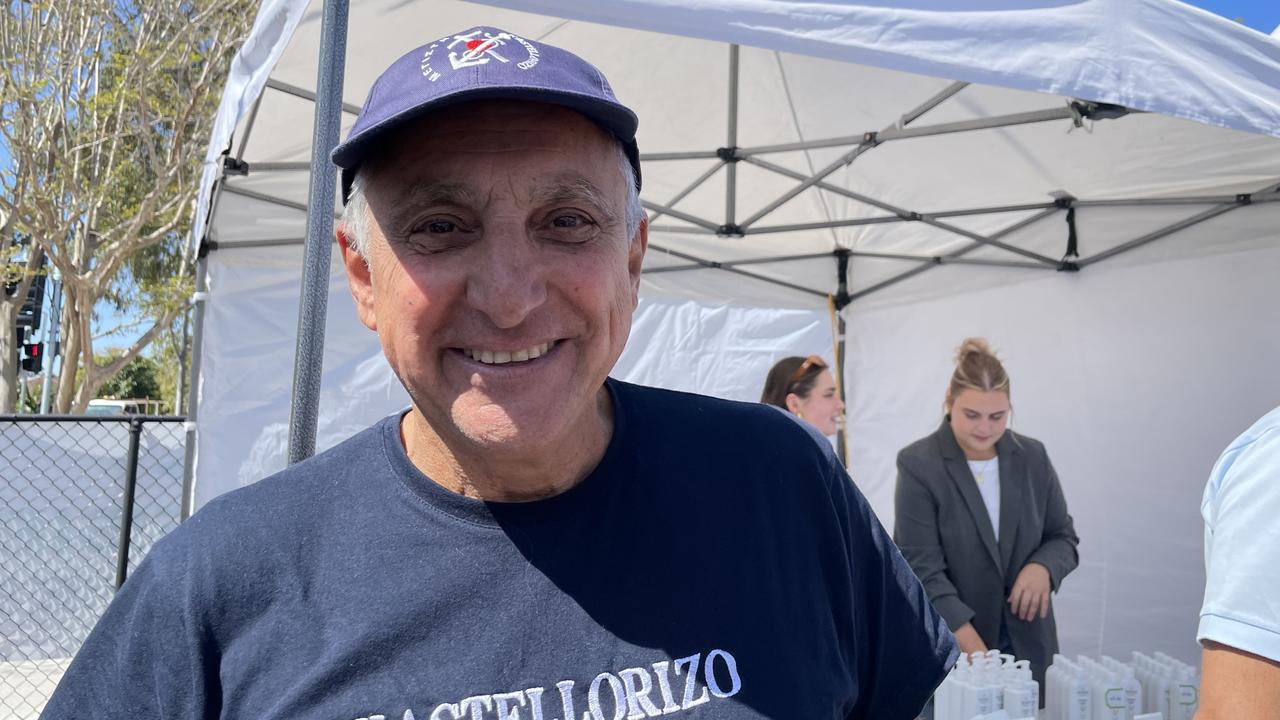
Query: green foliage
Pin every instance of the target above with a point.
(31, 403)
(140, 379)
(152, 281)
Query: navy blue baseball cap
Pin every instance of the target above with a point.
(482, 63)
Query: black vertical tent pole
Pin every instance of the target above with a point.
(730, 152)
(842, 300)
(309, 357)
(126, 503)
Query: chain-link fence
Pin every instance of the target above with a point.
(63, 494)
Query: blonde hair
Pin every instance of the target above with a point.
(977, 368)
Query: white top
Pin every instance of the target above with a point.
(1242, 543)
(987, 474)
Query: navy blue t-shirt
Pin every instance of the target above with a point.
(718, 563)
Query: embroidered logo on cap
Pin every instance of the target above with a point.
(478, 47)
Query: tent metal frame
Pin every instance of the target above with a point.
(304, 415)
(319, 239)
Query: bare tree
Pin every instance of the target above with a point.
(105, 108)
(19, 267)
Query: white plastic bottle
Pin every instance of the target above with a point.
(1078, 698)
(1185, 696)
(1108, 694)
(1132, 690)
(1021, 693)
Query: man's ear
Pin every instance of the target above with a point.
(359, 279)
(635, 258)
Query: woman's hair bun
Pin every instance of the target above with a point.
(974, 346)
(977, 368)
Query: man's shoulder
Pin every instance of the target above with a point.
(1251, 459)
(1261, 437)
(301, 495)
(664, 399)
(681, 410)
(739, 439)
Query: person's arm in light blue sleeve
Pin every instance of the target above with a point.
(1240, 619)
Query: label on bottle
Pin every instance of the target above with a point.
(1029, 705)
(986, 701)
(1081, 704)
(1115, 699)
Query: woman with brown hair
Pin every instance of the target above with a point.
(805, 387)
(981, 518)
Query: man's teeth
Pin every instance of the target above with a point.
(502, 357)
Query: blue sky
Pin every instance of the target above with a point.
(1261, 15)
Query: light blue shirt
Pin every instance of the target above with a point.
(1241, 510)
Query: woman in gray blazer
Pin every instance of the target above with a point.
(981, 518)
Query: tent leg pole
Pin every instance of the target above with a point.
(313, 305)
(842, 440)
(841, 301)
(193, 387)
(248, 127)
(731, 143)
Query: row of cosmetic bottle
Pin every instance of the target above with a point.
(986, 683)
(1169, 686)
(1149, 687)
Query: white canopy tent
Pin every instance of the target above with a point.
(923, 167)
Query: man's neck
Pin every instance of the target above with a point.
(558, 463)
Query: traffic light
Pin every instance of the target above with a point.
(31, 309)
(32, 357)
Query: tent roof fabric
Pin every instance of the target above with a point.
(923, 135)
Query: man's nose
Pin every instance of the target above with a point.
(507, 281)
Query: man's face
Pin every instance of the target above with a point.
(501, 280)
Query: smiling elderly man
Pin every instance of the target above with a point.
(530, 539)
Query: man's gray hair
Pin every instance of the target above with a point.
(355, 216)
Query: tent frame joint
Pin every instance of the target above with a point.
(729, 154)
(1068, 266)
(1082, 110)
(731, 230)
(842, 298)
(234, 166)
(1244, 199)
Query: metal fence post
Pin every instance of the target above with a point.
(51, 342)
(126, 510)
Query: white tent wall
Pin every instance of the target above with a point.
(1135, 378)
(250, 333)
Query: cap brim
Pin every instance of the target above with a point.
(612, 116)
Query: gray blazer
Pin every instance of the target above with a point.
(945, 533)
